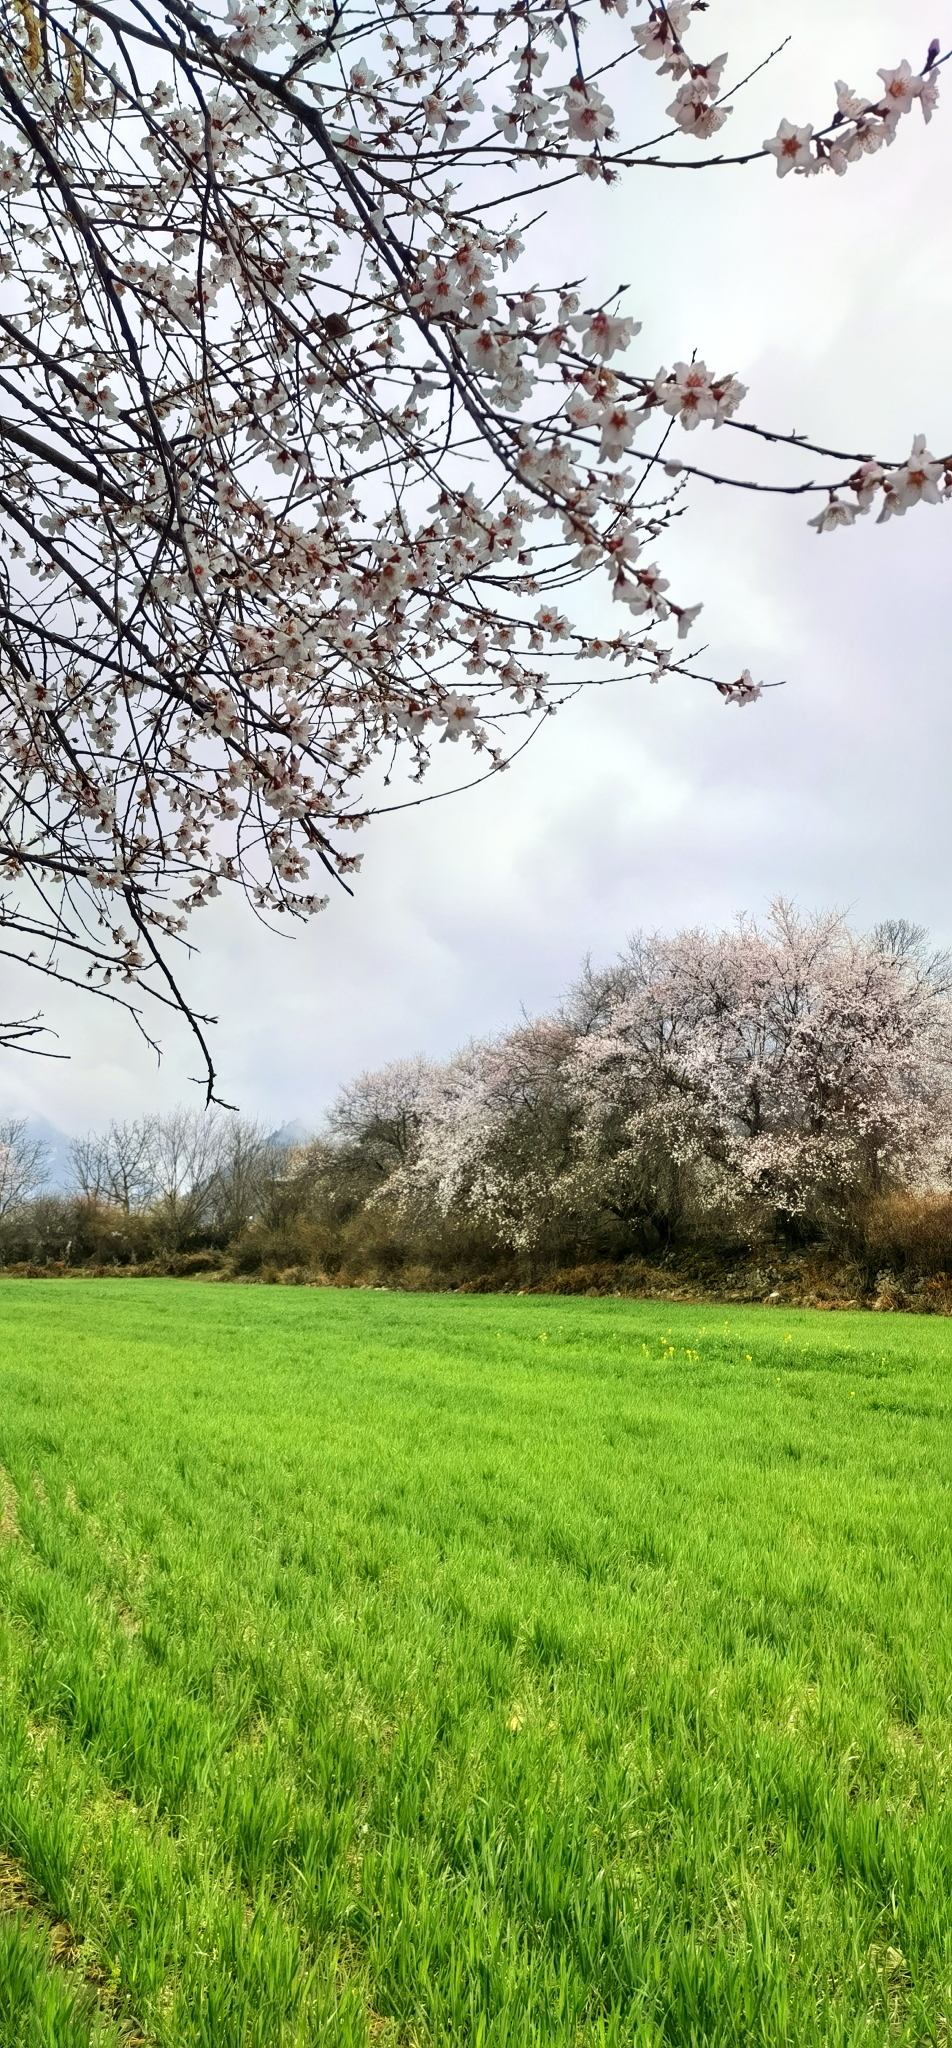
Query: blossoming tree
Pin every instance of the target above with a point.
(760, 1075)
(787, 1067)
(301, 467)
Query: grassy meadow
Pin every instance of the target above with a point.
(472, 1670)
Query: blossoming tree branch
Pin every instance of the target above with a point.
(302, 469)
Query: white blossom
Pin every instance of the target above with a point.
(686, 616)
(660, 35)
(756, 1074)
(836, 513)
(687, 394)
(744, 691)
(590, 117)
(791, 147)
(929, 95)
(604, 335)
(917, 481)
(848, 103)
(902, 88)
(693, 112)
(459, 714)
(618, 431)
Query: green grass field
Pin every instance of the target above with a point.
(430, 1670)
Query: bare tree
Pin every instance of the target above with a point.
(185, 1150)
(116, 1166)
(378, 1117)
(901, 940)
(24, 1165)
(298, 462)
(249, 1168)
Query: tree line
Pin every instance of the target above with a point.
(752, 1092)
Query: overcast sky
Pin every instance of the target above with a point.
(659, 807)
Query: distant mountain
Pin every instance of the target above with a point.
(294, 1133)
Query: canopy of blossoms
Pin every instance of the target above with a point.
(302, 470)
(760, 1074)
